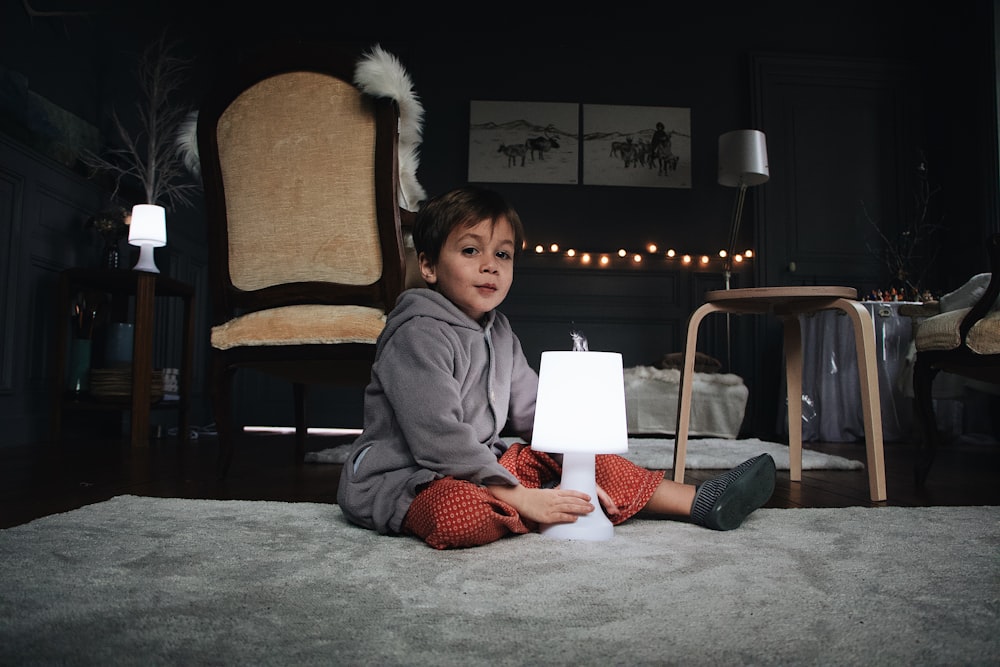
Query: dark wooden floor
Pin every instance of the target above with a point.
(49, 478)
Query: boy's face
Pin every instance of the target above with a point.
(475, 268)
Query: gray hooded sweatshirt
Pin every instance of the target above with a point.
(443, 387)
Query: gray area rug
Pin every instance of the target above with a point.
(138, 580)
(658, 454)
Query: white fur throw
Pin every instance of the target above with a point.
(719, 401)
(380, 74)
(377, 73)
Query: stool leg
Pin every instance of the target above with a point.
(793, 381)
(923, 403)
(684, 392)
(864, 344)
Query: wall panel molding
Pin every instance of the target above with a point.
(11, 205)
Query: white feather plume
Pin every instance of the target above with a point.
(377, 73)
(186, 142)
(380, 74)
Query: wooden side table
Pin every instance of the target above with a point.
(787, 303)
(145, 288)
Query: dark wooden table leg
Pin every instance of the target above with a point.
(59, 355)
(142, 358)
(187, 368)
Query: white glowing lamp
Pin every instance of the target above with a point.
(147, 230)
(579, 413)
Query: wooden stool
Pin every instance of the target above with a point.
(787, 303)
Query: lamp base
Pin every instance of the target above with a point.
(578, 474)
(147, 262)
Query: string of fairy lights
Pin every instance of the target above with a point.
(652, 251)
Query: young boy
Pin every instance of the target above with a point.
(449, 376)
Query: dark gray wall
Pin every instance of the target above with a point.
(696, 56)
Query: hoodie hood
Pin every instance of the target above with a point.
(425, 302)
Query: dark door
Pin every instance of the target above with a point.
(840, 147)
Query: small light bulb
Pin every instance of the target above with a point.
(737, 258)
(571, 253)
(686, 259)
(651, 248)
(539, 249)
(554, 247)
(671, 253)
(605, 260)
(748, 253)
(637, 258)
(585, 258)
(722, 254)
(622, 252)
(704, 259)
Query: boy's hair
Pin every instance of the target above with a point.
(467, 206)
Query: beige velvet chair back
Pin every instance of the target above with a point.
(297, 153)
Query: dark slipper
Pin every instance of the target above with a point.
(724, 502)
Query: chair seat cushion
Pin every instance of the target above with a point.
(301, 325)
(941, 332)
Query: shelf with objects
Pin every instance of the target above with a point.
(112, 379)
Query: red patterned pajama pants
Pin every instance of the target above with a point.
(451, 513)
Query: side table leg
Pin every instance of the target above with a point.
(793, 382)
(187, 368)
(142, 358)
(59, 356)
(864, 344)
(685, 389)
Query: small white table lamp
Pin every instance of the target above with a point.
(147, 230)
(580, 412)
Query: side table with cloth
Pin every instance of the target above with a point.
(831, 393)
(788, 304)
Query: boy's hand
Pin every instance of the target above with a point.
(546, 505)
(609, 505)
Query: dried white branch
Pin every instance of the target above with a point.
(910, 256)
(148, 155)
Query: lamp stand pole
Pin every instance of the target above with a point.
(727, 267)
(578, 473)
(734, 231)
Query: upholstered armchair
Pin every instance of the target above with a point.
(302, 196)
(960, 336)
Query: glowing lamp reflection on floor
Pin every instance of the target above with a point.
(579, 413)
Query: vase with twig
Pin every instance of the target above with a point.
(147, 154)
(112, 226)
(910, 253)
(83, 317)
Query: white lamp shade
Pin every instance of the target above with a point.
(148, 226)
(581, 403)
(743, 158)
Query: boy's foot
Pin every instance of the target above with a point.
(724, 502)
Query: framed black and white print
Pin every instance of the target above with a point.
(648, 147)
(524, 142)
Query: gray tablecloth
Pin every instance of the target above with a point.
(831, 391)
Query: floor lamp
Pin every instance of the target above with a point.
(742, 164)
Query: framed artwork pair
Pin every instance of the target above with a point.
(589, 144)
